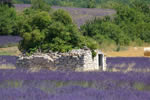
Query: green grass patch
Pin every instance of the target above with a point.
(8, 53)
(141, 86)
(9, 45)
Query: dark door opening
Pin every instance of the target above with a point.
(100, 59)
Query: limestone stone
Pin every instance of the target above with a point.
(77, 60)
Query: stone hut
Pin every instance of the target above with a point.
(75, 60)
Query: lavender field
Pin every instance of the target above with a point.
(82, 15)
(79, 15)
(46, 85)
(21, 84)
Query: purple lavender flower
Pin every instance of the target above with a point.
(5, 40)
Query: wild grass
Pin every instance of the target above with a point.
(7, 66)
(9, 45)
(10, 51)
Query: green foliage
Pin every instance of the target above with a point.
(141, 86)
(40, 20)
(21, 1)
(62, 16)
(92, 44)
(46, 32)
(93, 53)
(7, 20)
(91, 4)
(40, 4)
(104, 30)
(141, 6)
(130, 24)
(32, 41)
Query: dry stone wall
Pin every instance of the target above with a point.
(75, 60)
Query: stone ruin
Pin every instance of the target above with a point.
(75, 60)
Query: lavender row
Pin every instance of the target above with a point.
(47, 85)
(20, 74)
(78, 93)
(8, 60)
(22, 6)
(135, 62)
(118, 62)
(82, 15)
(5, 40)
(79, 15)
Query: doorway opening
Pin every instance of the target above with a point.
(100, 60)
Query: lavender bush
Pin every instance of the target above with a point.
(8, 60)
(80, 94)
(9, 40)
(123, 63)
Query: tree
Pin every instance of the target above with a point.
(54, 32)
(63, 38)
(7, 20)
(128, 15)
(101, 30)
(141, 6)
(91, 4)
(143, 31)
(40, 4)
(41, 20)
(62, 16)
(32, 41)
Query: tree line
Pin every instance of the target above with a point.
(130, 24)
(41, 28)
(44, 29)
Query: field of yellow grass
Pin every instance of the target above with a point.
(13, 51)
(130, 52)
